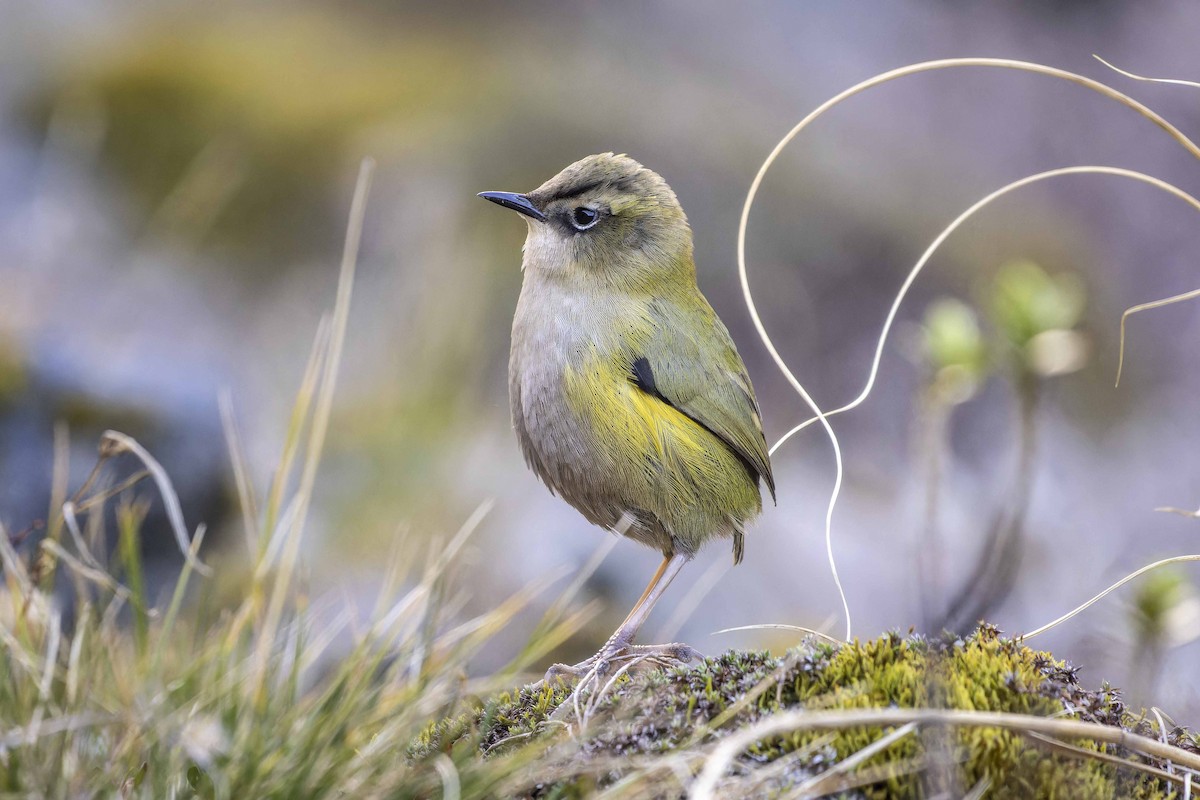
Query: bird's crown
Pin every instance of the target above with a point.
(605, 174)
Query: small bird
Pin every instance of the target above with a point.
(628, 396)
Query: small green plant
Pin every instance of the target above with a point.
(1165, 614)
(1034, 317)
(955, 349)
(1037, 314)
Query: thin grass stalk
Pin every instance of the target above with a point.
(321, 413)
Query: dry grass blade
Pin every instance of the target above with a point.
(85, 553)
(1166, 301)
(59, 480)
(1175, 81)
(596, 697)
(783, 627)
(246, 499)
(549, 629)
(114, 441)
(23, 736)
(767, 774)
(96, 575)
(978, 790)
(451, 785)
(1084, 606)
(273, 544)
(323, 405)
(295, 430)
(177, 596)
(1183, 512)
(850, 763)
(15, 573)
(487, 625)
(1082, 754)
(725, 754)
(415, 603)
(867, 776)
(703, 729)
(100, 498)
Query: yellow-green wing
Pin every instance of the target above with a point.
(690, 362)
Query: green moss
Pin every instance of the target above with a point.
(661, 712)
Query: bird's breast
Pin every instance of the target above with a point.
(561, 340)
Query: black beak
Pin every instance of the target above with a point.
(517, 202)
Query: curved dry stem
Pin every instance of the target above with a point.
(850, 763)
(751, 307)
(115, 442)
(1096, 86)
(724, 755)
(1183, 512)
(1108, 591)
(779, 626)
(1166, 301)
(448, 772)
(955, 225)
(1175, 81)
(903, 292)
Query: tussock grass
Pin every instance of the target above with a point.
(233, 687)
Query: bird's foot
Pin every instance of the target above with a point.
(592, 678)
(621, 657)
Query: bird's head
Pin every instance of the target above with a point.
(605, 219)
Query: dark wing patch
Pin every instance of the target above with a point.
(704, 378)
(643, 378)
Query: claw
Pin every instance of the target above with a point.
(616, 653)
(569, 673)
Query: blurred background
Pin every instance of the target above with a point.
(175, 180)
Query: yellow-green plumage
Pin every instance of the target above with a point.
(628, 396)
(671, 466)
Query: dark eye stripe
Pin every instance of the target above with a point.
(574, 190)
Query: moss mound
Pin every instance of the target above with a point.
(652, 731)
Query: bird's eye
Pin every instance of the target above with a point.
(583, 218)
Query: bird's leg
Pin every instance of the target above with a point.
(620, 646)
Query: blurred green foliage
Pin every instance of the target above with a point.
(1158, 598)
(1037, 312)
(235, 125)
(1026, 301)
(1034, 315)
(953, 338)
(955, 348)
